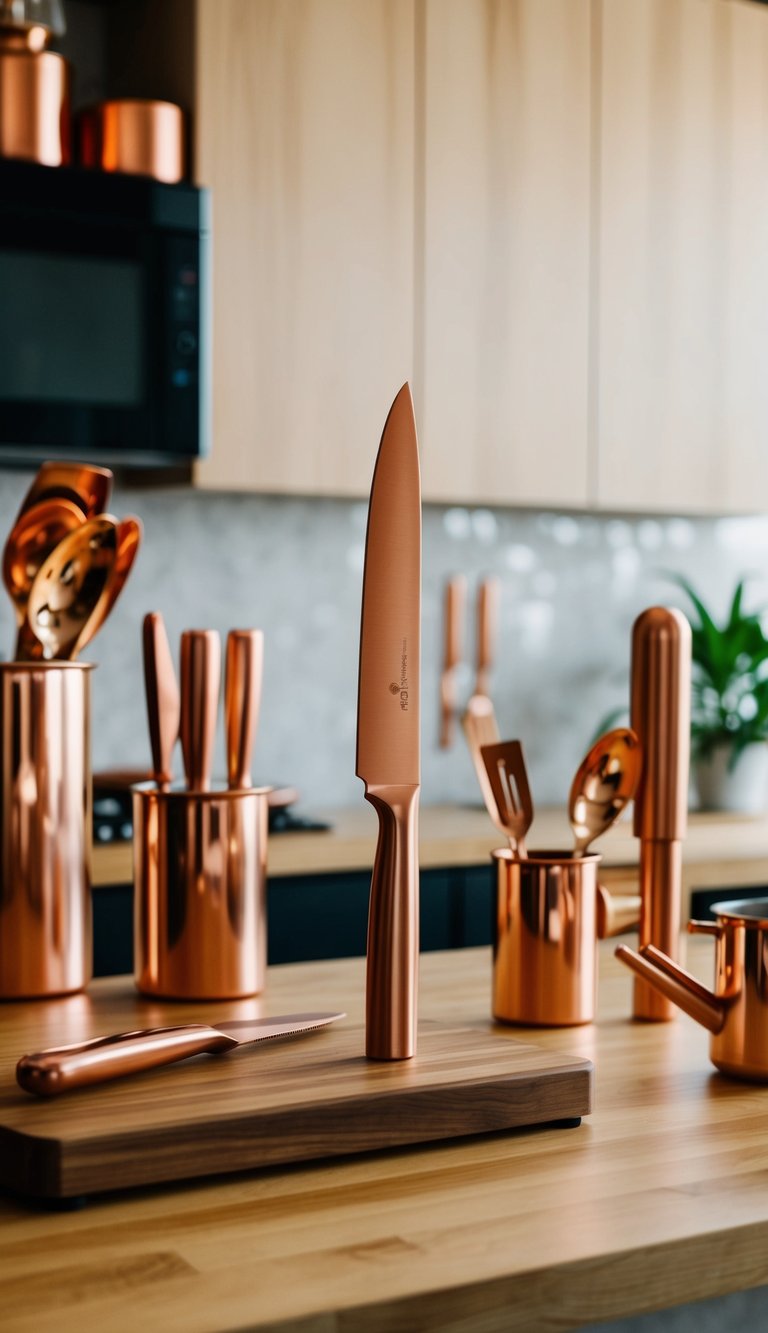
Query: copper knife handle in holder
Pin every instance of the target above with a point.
(162, 692)
(393, 926)
(200, 679)
(661, 716)
(242, 698)
(454, 612)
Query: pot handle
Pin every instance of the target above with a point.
(616, 912)
(678, 985)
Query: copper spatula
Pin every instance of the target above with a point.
(512, 811)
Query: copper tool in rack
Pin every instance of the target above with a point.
(162, 691)
(487, 630)
(388, 751)
(200, 679)
(242, 699)
(455, 602)
(661, 717)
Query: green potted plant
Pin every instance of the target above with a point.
(729, 705)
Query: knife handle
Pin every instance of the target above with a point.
(242, 698)
(200, 678)
(162, 693)
(61, 1068)
(487, 624)
(393, 926)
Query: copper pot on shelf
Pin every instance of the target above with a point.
(34, 85)
(736, 1012)
(137, 136)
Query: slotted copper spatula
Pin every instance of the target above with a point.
(508, 782)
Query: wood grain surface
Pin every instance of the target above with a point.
(658, 1198)
(297, 1099)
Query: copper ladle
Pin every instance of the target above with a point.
(68, 586)
(34, 536)
(605, 783)
(129, 532)
(82, 484)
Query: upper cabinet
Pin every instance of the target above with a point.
(682, 282)
(503, 250)
(305, 134)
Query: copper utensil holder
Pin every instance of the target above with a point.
(545, 938)
(45, 829)
(34, 105)
(140, 137)
(200, 869)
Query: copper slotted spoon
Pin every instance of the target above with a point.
(508, 781)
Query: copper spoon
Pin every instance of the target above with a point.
(605, 783)
(128, 539)
(68, 585)
(33, 537)
(242, 699)
(82, 484)
(163, 702)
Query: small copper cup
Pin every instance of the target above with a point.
(545, 938)
(200, 873)
(45, 829)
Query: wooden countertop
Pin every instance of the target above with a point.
(719, 850)
(658, 1198)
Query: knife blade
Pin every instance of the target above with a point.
(61, 1068)
(388, 753)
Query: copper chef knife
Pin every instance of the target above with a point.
(63, 1067)
(388, 732)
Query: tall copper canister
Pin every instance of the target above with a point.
(200, 864)
(34, 93)
(45, 829)
(661, 716)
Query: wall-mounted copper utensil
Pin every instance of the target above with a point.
(736, 1012)
(83, 484)
(454, 608)
(605, 783)
(200, 680)
(34, 535)
(163, 699)
(69, 585)
(242, 700)
(129, 532)
(487, 629)
(508, 780)
(62, 1068)
(480, 728)
(388, 751)
(661, 718)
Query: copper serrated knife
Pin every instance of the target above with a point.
(388, 732)
(62, 1068)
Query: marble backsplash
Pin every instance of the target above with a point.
(571, 586)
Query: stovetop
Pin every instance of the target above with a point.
(113, 818)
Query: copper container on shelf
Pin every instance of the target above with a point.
(736, 1012)
(137, 136)
(200, 870)
(34, 96)
(45, 829)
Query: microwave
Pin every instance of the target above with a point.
(104, 317)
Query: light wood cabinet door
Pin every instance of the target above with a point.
(503, 246)
(305, 134)
(683, 262)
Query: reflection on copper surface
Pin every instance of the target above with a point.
(200, 891)
(45, 829)
(736, 1012)
(544, 951)
(661, 717)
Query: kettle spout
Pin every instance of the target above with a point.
(677, 984)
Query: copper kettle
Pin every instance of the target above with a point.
(736, 1012)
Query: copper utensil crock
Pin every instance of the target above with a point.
(45, 829)
(661, 717)
(736, 1012)
(200, 865)
(34, 98)
(140, 137)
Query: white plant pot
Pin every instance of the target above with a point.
(742, 790)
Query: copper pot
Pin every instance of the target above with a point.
(34, 105)
(736, 1012)
(137, 136)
